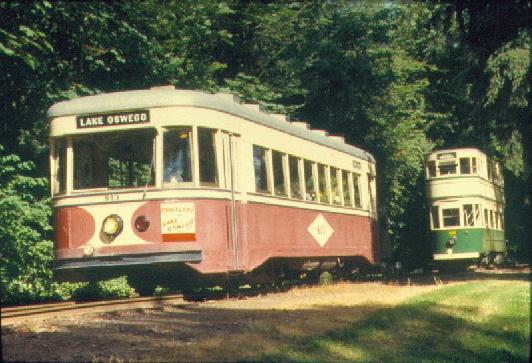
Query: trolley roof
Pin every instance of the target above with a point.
(224, 102)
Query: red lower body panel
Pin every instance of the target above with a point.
(263, 232)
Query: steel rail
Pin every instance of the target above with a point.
(17, 314)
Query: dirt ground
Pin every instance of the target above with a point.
(197, 331)
(236, 329)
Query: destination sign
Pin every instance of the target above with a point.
(446, 156)
(113, 119)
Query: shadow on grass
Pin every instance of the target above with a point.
(413, 334)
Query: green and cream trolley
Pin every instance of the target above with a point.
(465, 191)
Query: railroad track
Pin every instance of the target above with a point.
(18, 314)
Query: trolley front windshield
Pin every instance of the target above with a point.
(114, 160)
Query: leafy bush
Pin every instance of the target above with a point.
(161, 291)
(68, 289)
(107, 289)
(26, 253)
(326, 278)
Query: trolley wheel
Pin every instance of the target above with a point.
(231, 287)
(499, 259)
(491, 262)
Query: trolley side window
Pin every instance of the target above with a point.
(356, 187)
(207, 157)
(474, 165)
(279, 185)
(478, 221)
(469, 219)
(295, 187)
(309, 181)
(447, 168)
(346, 188)
(451, 217)
(60, 165)
(434, 214)
(496, 172)
(465, 166)
(260, 167)
(489, 166)
(177, 156)
(335, 187)
(431, 168)
(324, 196)
(114, 160)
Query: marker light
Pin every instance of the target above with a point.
(88, 250)
(142, 223)
(112, 225)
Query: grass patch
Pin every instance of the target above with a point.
(487, 321)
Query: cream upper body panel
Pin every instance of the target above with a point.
(167, 108)
(63, 114)
(462, 163)
(463, 187)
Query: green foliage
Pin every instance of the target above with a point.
(26, 253)
(67, 289)
(161, 291)
(326, 278)
(107, 289)
(509, 65)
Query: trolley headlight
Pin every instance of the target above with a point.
(451, 242)
(112, 225)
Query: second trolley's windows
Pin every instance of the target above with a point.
(470, 217)
(465, 166)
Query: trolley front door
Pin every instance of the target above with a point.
(230, 147)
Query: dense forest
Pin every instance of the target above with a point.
(396, 78)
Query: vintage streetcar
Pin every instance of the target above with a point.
(181, 186)
(465, 191)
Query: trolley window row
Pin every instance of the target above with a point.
(463, 166)
(285, 175)
(466, 215)
(128, 159)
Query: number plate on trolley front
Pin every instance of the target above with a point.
(178, 221)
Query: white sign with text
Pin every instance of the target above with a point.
(178, 218)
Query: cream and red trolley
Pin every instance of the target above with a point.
(192, 183)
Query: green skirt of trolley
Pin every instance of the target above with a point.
(455, 241)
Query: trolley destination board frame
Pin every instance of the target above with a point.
(113, 119)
